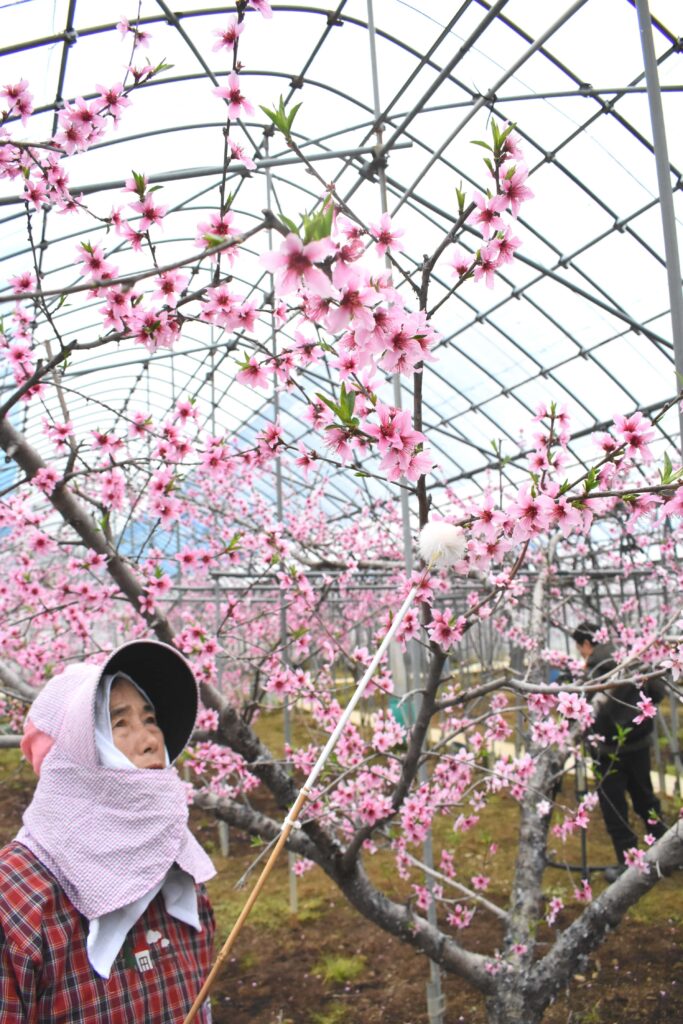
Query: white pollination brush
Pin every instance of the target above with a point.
(440, 544)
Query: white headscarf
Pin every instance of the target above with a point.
(107, 933)
(113, 835)
(109, 754)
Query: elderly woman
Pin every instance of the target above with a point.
(103, 917)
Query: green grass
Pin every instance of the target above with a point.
(271, 910)
(336, 1013)
(311, 909)
(592, 1016)
(14, 767)
(338, 970)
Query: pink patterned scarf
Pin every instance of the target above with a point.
(108, 835)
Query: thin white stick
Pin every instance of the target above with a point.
(360, 689)
(288, 823)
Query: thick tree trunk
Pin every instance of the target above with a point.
(527, 893)
(512, 1003)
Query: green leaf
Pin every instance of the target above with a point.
(666, 473)
(330, 403)
(347, 400)
(290, 224)
(139, 180)
(622, 733)
(504, 134)
(290, 118)
(591, 481)
(271, 114)
(282, 120)
(484, 145)
(317, 225)
(213, 240)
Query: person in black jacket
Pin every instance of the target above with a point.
(622, 754)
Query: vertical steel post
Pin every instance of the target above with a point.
(435, 997)
(279, 501)
(222, 826)
(212, 352)
(666, 202)
(673, 742)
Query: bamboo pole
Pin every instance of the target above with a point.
(246, 909)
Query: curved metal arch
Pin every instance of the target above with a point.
(486, 316)
(647, 410)
(546, 372)
(480, 315)
(595, 198)
(563, 259)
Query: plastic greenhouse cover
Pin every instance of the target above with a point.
(581, 316)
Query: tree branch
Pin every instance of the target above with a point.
(605, 912)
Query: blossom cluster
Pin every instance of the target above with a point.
(189, 509)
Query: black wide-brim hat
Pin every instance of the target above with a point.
(169, 682)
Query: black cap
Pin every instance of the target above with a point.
(167, 679)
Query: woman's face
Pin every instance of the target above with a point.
(134, 726)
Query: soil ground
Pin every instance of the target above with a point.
(326, 965)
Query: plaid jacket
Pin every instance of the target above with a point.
(45, 975)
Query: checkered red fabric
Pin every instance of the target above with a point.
(45, 974)
(107, 835)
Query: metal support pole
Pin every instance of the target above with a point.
(222, 826)
(659, 763)
(223, 837)
(212, 353)
(286, 713)
(673, 265)
(674, 745)
(435, 997)
(581, 785)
